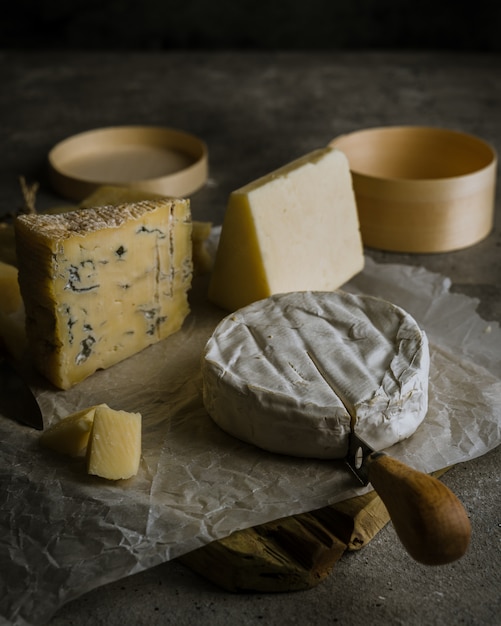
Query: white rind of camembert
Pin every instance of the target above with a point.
(286, 373)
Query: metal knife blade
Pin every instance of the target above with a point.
(17, 401)
(358, 455)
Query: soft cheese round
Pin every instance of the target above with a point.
(285, 373)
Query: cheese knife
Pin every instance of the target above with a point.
(17, 401)
(428, 518)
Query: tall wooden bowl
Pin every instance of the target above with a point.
(421, 189)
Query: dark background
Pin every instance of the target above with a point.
(251, 24)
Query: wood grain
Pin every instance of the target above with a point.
(293, 553)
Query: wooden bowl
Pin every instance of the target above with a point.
(421, 189)
(153, 159)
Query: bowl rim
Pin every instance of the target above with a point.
(485, 171)
(75, 185)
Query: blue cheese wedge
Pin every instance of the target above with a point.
(101, 284)
(292, 372)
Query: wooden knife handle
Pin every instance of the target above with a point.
(428, 518)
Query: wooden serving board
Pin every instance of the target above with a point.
(293, 553)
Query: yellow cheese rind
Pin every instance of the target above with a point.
(296, 229)
(101, 284)
(70, 436)
(113, 195)
(114, 449)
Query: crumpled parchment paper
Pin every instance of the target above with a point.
(63, 532)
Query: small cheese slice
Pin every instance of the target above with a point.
(7, 244)
(296, 229)
(114, 449)
(101, 284)
(202, 258)
(12, 333)
(10, 294)
(291, 372)
(12, 319)
(70, 436)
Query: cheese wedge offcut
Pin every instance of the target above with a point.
(296, 229)
(101, 284)
(114, 449)
(70, 436)
(12, 320)
(10, 295)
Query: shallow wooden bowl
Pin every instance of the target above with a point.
(152, 159)
(421, 189)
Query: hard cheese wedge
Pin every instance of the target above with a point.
(101, 284)
(114, 449)
(12, 335)
(10, 295)
(296, 229)
(71, 435)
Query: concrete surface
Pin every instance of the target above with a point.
(257, 111)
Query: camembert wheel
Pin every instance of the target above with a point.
(285, 373)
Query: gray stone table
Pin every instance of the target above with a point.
(257, 111)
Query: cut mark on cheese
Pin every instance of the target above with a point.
(330, 382)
